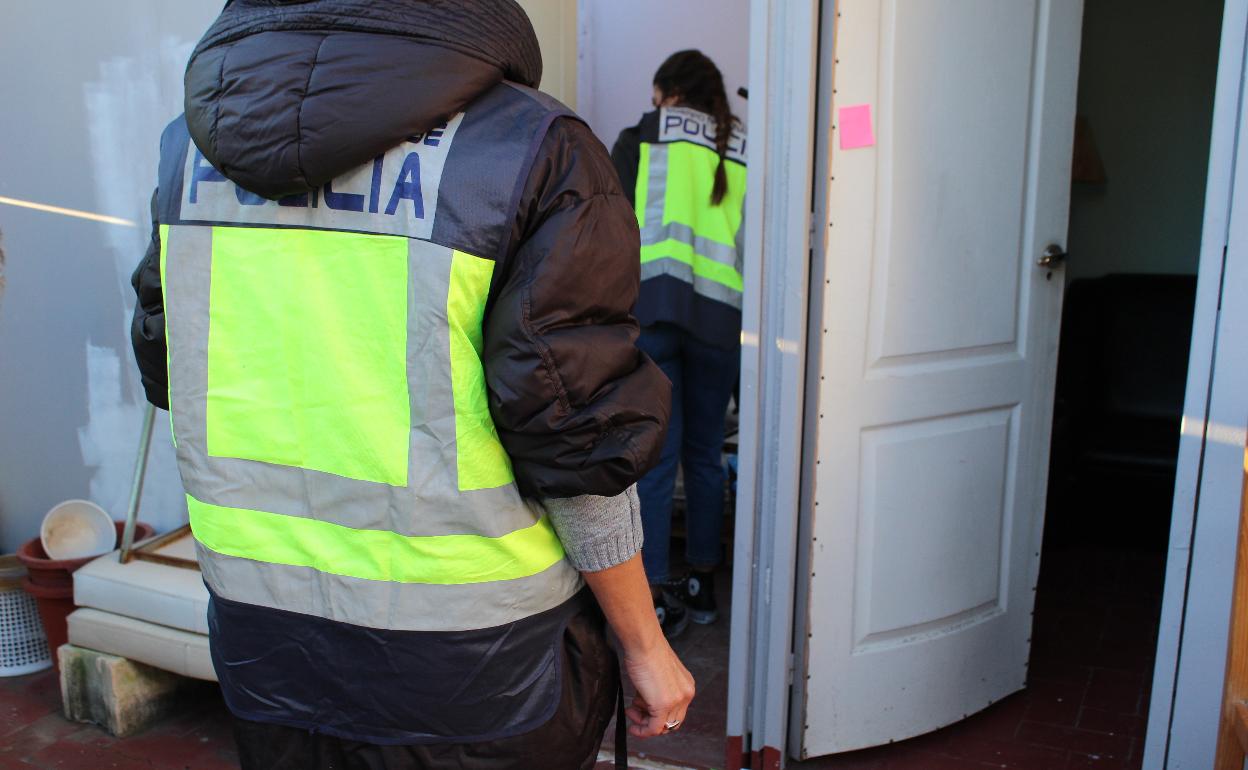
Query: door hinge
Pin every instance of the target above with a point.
(792, 666)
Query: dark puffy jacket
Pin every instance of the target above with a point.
(284, 95)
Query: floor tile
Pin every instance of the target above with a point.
(1053, 710)
(937, 762)
(1016, 754)
(1084, 762)
(1074, 740)
(1100, 720)
(27, 699)
(1119, 698)
(37, 736)
(67, 755)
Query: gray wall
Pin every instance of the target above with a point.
(86, 89)
(1146, 86)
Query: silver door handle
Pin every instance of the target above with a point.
(1053, 256)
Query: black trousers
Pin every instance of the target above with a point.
(569, 741)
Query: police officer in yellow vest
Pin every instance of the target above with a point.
(387, 302)
(684, 166)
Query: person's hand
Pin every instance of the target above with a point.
(664, 689)
(664, 686)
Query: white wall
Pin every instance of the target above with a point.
(86, 90)
(1146, 85)
(554, 21)
(623, 43)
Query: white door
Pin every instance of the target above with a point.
(938, 350)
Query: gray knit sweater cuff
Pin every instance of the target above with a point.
(597, 532)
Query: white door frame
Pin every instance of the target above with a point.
(1191, 645)
(783, 46)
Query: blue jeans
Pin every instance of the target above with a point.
(703, 378)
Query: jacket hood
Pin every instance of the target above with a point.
(284, 95)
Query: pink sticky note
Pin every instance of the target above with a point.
(855, 127)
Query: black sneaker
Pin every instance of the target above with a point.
(697, 592)
(672, 616)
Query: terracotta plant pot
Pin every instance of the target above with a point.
(44, 571)
(51, 582)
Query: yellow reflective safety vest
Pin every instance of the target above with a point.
(691, 250)
(375, 573)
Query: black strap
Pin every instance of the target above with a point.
(621, 731)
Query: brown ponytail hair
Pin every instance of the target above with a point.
(694, 80)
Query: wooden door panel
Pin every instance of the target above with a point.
(952, 174)
(931, 526)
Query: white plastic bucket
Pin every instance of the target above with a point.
(77, 529)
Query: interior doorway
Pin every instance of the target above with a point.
(1137, 209)
(622, 45)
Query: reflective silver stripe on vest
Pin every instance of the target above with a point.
(708, 289)
(654, 231)
(657, 232)
(395, 606)
(430, 504)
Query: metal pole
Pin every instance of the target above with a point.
(136, 484)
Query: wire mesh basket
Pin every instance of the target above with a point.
(23, 647)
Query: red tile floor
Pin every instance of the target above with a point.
(33, 734)
(1096, 621)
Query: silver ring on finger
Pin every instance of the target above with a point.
(672, 725)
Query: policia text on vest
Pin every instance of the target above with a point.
(398, 178)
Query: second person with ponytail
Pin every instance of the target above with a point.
(683, 165)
